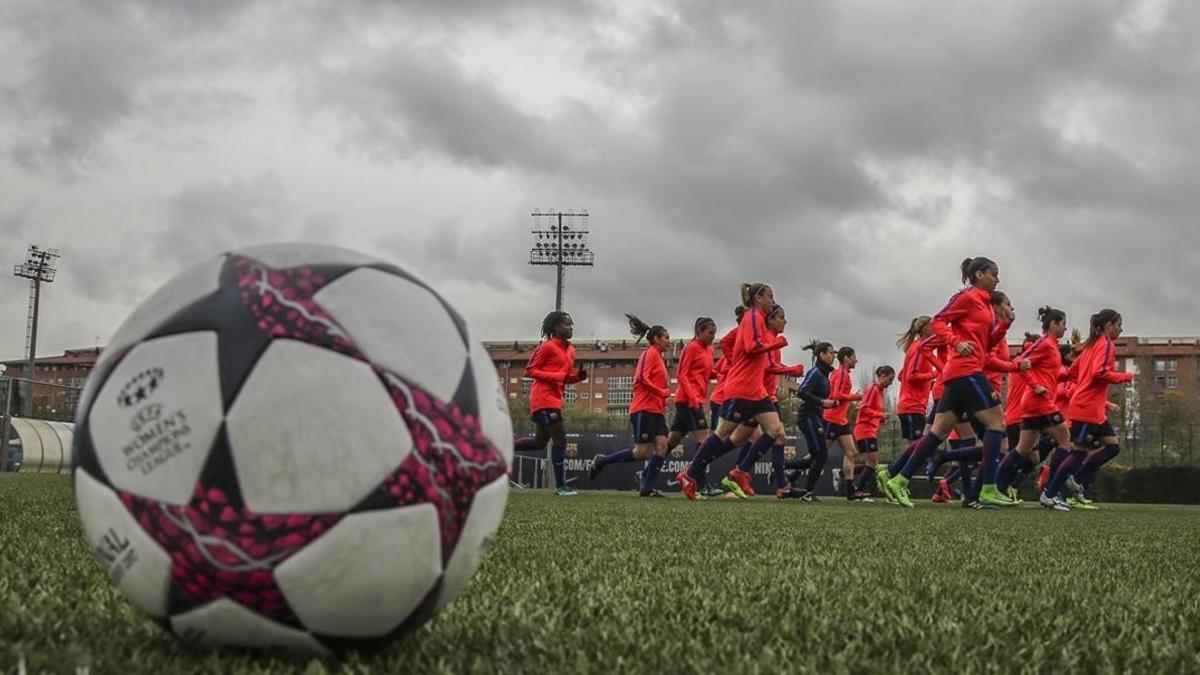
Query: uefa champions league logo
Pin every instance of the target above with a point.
(141, 387)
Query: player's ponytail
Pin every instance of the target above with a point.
(751, 291)
(640, 329)
(1099, 322)
(1049, 315)
(914, 331)
(817, 348)
(973, 266)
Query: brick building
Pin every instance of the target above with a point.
(66, 373)
(610, 365)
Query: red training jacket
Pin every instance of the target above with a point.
(839, 390)
(552, 368)
(775, 368)
(916, 380)
(1097, 370)
(746, 371)
(967, 317)
(1047, 367)
(650, 382)
(1018, 395)
(694, 369)
(870, 414)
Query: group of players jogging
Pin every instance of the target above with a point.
(1054, 414)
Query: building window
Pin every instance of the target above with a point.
(512, 380)
(512, 394)
(1172, 382)
(569, 395)
(619, 399)
(599, 380)
(620, 382)
(599, 395)
(1166, 365)
(526, 383)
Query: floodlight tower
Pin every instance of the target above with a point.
(38, 268)
(560, 239)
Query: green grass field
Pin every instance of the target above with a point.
(610, 583)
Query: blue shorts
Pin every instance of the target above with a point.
(912, 426)
(1088, 434)
(546, 416)
(968, 395)
(744, 411)
(647, 425)
(688, 419)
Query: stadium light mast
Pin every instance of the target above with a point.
(560, 239)
(38, 268)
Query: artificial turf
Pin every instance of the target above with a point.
(606, 582)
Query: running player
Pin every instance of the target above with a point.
(916, 380)
(739, 479)
(748, 402)
(968, 325)
(646, 410)
(1088, 411)
(866, 431)
(552, 368)
(837, 418)
(693, 373)
(814, 398)
(1039, 410)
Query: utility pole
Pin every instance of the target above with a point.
(38, 268)
(560, 239)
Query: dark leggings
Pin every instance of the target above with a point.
(814, 437)
(555, 431)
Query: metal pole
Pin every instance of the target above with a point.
(558, 287)
(37, 297)
(4, 433)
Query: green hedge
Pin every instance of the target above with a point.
(1120, 483)
(1149, 485)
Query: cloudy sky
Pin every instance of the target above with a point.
(849, 153)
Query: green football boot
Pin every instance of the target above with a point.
(990, 494)
(731, 485)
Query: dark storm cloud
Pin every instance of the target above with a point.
(851, 153)
(407, 101)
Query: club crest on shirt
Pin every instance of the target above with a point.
(645, 437)
(572, 449)
(677, 451)
(737, 417)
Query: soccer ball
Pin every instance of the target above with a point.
(292, 446)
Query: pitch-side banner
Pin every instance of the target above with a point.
(583, 446)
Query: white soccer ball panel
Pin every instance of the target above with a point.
(493, 404)
(134, 562)
(296, 254)
(400, 326)
(155, 418)
(487, 510)
(225, 622)
(312, 431)
(367, 574)
(178, 293)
